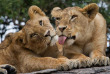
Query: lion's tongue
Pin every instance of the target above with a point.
(62, 39)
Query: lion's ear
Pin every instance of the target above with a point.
(90, 10)
(35, 11)
(20, 39)
(7, 41)
(56, 12)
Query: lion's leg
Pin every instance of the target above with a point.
(79, 59)
(41, 63)
(3, 71)
(5, 64)
(98, 58)
(99, 42)
(7, 69)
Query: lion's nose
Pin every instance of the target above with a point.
(47, 34)
(62, 28)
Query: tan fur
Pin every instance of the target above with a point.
(7, 41)
(89, 28)
(56, 12)
(34, 10)
(30, 48)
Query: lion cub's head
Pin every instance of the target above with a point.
(72, 22)
(38, 17)
(38, 33)
(33, 37)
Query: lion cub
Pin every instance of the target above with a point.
(82, 32)
(33, 47)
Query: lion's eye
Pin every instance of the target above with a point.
(73, 17)
(33, 35)
(57, 18)
(41, 23)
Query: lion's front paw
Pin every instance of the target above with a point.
(3, 71)
(65, 64)
(9, 68)
(84, 62)
(101, 60)
(75, 63)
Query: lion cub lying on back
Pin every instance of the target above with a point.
(82, 32)
(33, 47)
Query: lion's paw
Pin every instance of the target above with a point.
(3, 71)
(65, 64)
(102, 60)
(84, 62)
(9, 68)
(75, 63)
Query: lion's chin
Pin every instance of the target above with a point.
(70, 42)
(54, 40)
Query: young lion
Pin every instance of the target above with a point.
(30, 47)
(82, 32)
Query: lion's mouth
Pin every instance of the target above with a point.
(63, 38)
(52, 38)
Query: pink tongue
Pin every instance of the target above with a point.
(61, 40)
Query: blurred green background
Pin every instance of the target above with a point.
(14, 13)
